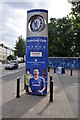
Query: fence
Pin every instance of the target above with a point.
(64, 62)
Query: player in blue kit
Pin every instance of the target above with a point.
(36, 84)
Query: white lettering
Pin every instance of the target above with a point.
(37, 40)
(41, 40)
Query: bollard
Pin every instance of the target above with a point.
(18, 88)
(48, 68)
(51, 89)
(54, 69)
(62, 70)
(71, 71)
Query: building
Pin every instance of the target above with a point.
(4, 52)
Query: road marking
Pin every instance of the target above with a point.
(11, 73)
(75, 83)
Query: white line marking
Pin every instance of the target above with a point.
(75, 83)
(11, 73)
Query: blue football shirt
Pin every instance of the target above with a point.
(45, 91)
(36, 85)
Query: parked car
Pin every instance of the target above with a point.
(11, 66)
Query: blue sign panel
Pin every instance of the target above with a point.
(37, 51)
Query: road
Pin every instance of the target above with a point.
(8, 72)
(8, 75)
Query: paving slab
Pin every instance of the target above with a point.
(31, 106)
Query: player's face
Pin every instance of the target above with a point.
(36, 72)
(44, 73)
(27, 73)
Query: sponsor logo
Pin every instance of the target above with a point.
(35, 54)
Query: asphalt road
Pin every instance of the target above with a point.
(70, 86)
(8, 75)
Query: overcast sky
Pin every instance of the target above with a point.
(14, 17)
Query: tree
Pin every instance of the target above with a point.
(64, 34)
(60, 43)
(75, 15)
(20, 48)
(10, 57)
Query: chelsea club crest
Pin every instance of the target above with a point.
(36, 23)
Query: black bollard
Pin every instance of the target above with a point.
(54, 69)
(18, 88)
(71, 71)
(62, 70)
(48, 68)
(51, 89)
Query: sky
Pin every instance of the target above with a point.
(14, 16)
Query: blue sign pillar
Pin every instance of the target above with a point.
(37, 42)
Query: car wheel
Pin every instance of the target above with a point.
(16, 67)
(12, 68)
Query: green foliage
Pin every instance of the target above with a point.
(10, 57)
(60, 33)
(76, 23)
(20, 48)
(64, 34)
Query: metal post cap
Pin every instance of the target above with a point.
(18, 78)
(52, 80)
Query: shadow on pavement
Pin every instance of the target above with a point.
(43, 110)
(19, 106)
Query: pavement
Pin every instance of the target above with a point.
(70, 86)
(31, 106)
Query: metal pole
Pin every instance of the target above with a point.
(51, 89)
(71, 71)
(18, 88)
(62, 70)
(48, 68)
(54, 69)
